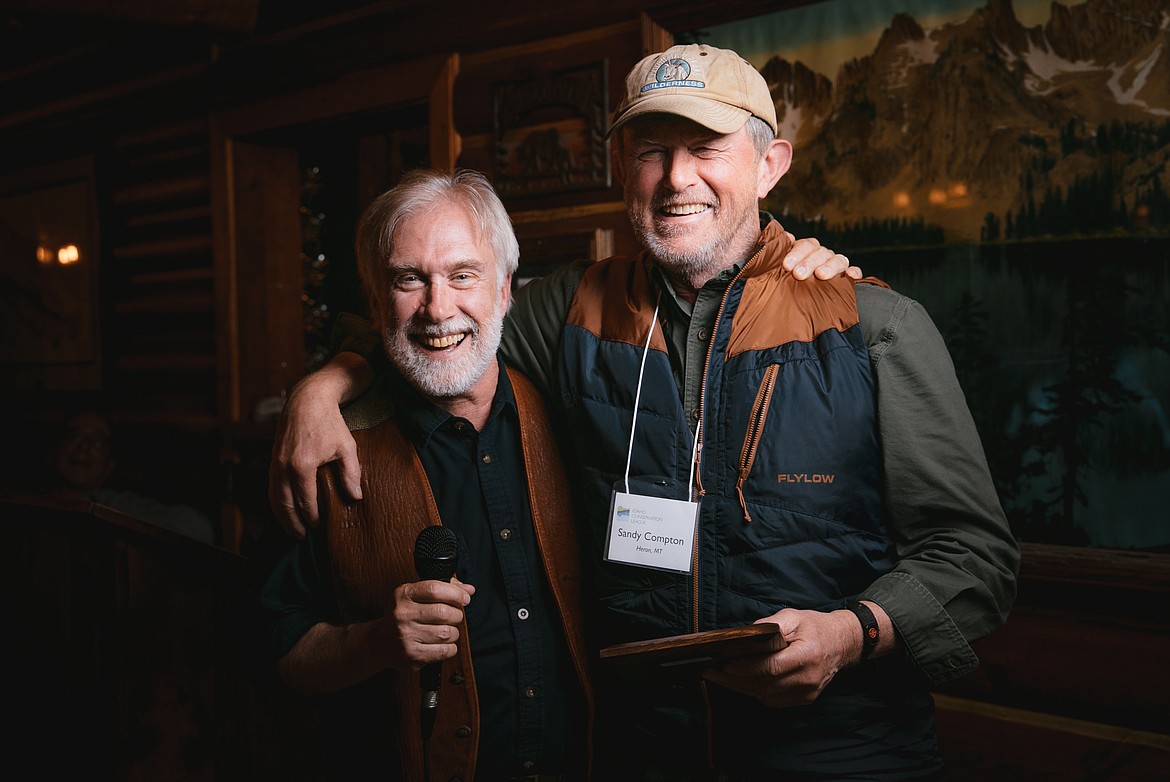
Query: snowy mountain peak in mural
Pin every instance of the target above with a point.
(985, 128)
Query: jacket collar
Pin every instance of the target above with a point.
(770, 250)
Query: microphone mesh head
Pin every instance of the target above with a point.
(436, 550)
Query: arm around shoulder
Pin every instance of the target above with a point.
(532, 331)
(311, 432)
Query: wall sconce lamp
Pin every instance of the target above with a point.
(69, 254)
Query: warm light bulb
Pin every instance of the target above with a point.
(902, 199)
(68, 254)
(44, 254)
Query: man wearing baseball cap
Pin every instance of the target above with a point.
(746, 448)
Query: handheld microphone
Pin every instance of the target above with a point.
(436, 553)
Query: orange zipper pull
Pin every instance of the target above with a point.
(747, 517)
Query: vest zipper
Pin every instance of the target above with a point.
(755, 430)
(698, 472)
(702, 406)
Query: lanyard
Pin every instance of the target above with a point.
(637, 400)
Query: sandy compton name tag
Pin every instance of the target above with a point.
(653, 532)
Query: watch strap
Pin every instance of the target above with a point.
(869, 627)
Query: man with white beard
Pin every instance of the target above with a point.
(448, 437)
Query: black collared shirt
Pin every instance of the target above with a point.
(529, 701)
(522, 670)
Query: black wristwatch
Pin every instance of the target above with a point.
(869, 627)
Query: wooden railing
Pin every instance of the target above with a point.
(1074, 686)
(127, 654)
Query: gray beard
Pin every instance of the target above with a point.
(439, 380)
(696, 266)
(707, 262)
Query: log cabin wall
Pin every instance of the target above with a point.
(194, 132)
(136, 119)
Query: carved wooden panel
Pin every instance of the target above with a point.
(549, 133)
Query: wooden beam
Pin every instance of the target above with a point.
(105, 95)
(1141, 570)
(229, 16)
(357, 92)
(445, 143)
(655, 37)
(981, 741)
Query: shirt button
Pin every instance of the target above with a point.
(457, 678)
(702, 335)
(522, 613)
(695, 414)
(505, 534)
(487, 458)
(458, 426)
(530, 692)
(463, 731)
(529, 765)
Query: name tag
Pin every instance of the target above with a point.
(653, 532)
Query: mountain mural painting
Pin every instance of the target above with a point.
(1005, 165)
(978, 128)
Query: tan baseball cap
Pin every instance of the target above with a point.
(714, 87)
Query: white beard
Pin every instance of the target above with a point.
(445, 378)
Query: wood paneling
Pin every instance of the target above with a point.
(268, 276)
(235, 16)
(130, 662)
(1074, 685)
(981, 742)
(158, 279)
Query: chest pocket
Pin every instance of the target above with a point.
(799, 446)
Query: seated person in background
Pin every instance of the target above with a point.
(82, 462)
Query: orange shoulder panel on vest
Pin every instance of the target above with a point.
(777, 309)
(615, 302)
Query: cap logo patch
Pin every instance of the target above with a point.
(673, 73)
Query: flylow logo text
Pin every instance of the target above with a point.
(805, 477)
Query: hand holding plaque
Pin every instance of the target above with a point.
(687, 656)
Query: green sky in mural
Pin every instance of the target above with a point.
(851, 25)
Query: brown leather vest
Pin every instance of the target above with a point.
(371, 545)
